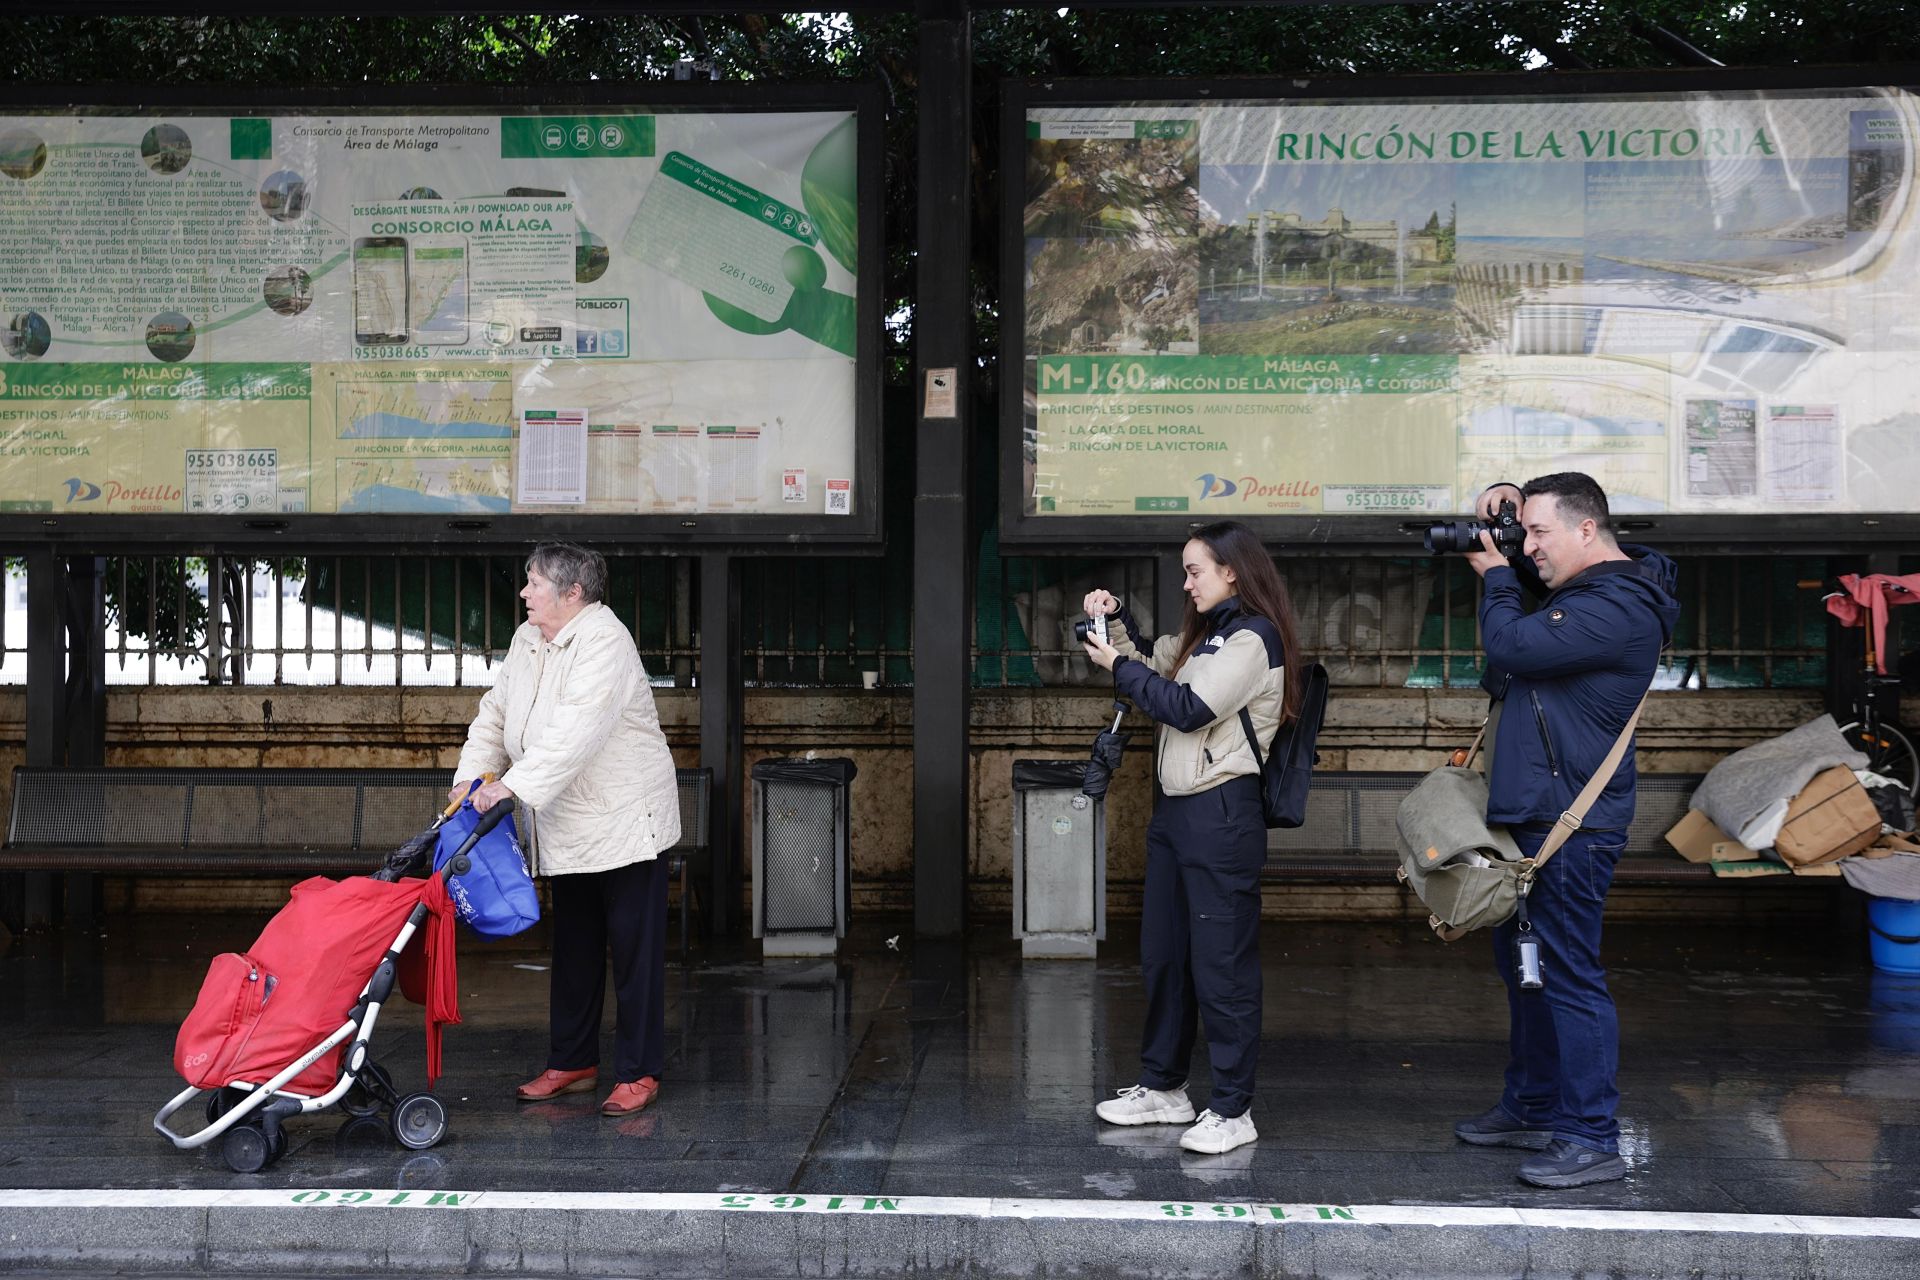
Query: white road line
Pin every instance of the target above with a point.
(1018, 1208)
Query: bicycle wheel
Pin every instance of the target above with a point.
(1889, 752)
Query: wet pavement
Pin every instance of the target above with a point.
(1766, 1069)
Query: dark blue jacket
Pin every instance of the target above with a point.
(1568, 676)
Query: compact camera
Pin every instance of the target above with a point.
(1094, 626)
(1509, 536)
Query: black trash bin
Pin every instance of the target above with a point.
(801, 892)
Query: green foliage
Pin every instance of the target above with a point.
(159, 598)
(156, 598)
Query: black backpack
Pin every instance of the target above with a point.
(1285, 774)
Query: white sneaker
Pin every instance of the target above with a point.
(1138, 1104)
(1215, 1133)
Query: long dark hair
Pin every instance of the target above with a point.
(1260, 590)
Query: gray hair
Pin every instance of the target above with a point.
(564, 564)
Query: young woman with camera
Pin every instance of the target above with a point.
(1207, 843)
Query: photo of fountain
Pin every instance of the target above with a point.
(1298, 260)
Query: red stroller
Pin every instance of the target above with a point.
(280, 1032)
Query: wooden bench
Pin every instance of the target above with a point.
(256, 821)
(1348, 836)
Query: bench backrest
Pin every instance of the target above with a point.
(353, 809)
(1353, 813)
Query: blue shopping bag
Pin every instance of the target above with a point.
(496, 896)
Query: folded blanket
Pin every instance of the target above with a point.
(1747, 794)
(1894, 876)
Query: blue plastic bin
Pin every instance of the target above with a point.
(1893, 935)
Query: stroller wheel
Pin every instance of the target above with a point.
(372, 1090)
(246, 1148)
(419, 1121)
(221, 1101)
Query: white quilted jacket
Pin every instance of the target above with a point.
(571, 729)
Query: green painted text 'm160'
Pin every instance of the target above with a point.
(1245, 375)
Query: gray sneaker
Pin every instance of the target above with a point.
(1568, 1164)
(1138, 1104)
(1495, 1128)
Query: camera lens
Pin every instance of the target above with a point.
(1454, 535)
(1081, 630)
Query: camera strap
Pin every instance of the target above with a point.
(1570, 821)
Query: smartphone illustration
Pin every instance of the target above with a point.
(437, 289)
(380, 291)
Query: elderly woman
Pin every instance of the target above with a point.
(570, 727)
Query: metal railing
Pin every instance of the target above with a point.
(1394, 622)
(13, 624)
(825, 622)
(359, 620)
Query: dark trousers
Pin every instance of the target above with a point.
(1200, 939)
(624, 909)
(1565, 1038)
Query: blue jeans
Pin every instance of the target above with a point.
(1565, 1038)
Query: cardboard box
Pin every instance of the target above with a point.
(1891, 843)
(1831, 818)
(1750, 870)
(1696, 839)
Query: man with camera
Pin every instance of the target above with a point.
(1565, 680)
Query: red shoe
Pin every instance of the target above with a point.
(551, 1084)
(629, 1098)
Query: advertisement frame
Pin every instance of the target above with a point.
(1365, 534)
(761, 532)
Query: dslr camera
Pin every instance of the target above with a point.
(1509, 536)
(1094, 626)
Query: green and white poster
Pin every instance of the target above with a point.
(356, 313)
(1709, 302)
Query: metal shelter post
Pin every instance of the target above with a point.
(722, 731)
(942, 537)
(85, 701)
(86, 640)
(66, 708)
(1169, 601)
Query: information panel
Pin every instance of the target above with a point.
(1710, 301)
(617, 312)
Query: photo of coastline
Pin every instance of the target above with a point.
(1744, 222)
(1521, 260)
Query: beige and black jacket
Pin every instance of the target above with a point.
(1200, 741)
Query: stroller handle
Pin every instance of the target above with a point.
(491, 818)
